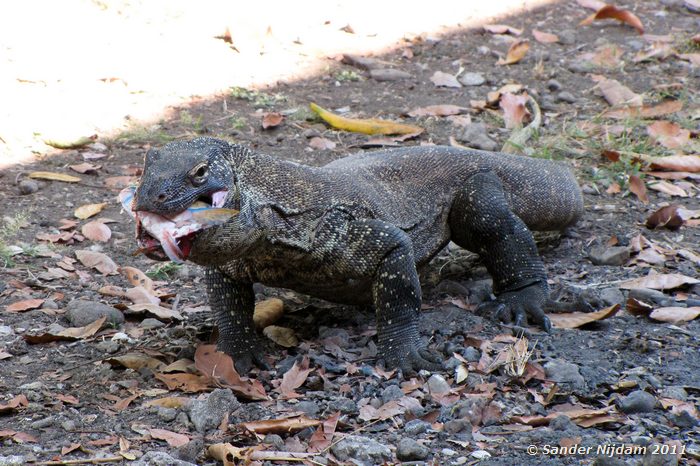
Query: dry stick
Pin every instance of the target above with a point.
(80, 461)
(359, 429)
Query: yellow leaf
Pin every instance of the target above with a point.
(54, 177)
(516, 52)
(283, 336)
(577, 319)
(268, 312)
(74, 144)
(365, 126)
(88, 210)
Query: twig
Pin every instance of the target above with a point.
(112, 459)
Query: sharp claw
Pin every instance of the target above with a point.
(499, 311)
(520, 318)
(546, 324)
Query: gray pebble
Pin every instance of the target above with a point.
(567, 36)
(308, 407)
(475, 135)
(388, 75)
(553, 85)
(159, 458)
(80, 312)
(13, 460)
(675, 392)
(69, 425)
(614, 255)
(344, 405)
(151, 323)
(567, 97)
(166, 414)
(654, 458)
(638, 401)
(43, 423)
(49, 304)
(275, 440)
(190, 451)
(362, 449)
(392, 392)
(608, 461)
(471, 354)
(107, 346)
(472, 79)
(416, 427)
(28, 187)
(410, 450)
(207, 414)
(611, 296)
(564, 372)
(562, 423)
(438, 384)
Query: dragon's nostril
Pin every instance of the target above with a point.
(161, 197)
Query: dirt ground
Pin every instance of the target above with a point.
(622, 390)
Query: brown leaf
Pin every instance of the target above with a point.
(668, 134)
(283, 336)
(174, 439)
(675, 315)
(687, 163)
(136, 361)
(96, 231)
(97, 260)
(693, 58)
(120, 181)
(438, 110)
(668, 188)
(613, 12)
(323, 437)
(545, 37)
(617, 94)
(514, 109)
(657, 50)
(162, 313)
(294, 378)
(646, 111)
(25, 305)
(667, 217)
(268, 312)
(137, 277)
(515, 53)
(88, 210)
(57, 333)
(54, 177)
(442, 79)
(175, 402)
(320, 143)
(280, 426)
(659, 281)
(577, 319)
(12, 405)
(614, 188)
(190, 383)
(604, 56)
(502, 29)
(219, 366)
(638, 188)
(85, 168)
(271, 119)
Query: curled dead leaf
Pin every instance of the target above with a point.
(646, 111)
(442, 79)
(54, 177)
(88, 210)
(638, 188)
(659, 281)
(516, 52)
(514, 109)
(438, 110)
(667, 217)
(613, 12)
(668, 134)
(577, 319)
(96, 231)
(668, 188)
(25, 305)
(268, 312)
(97, 260)
(687, 163)
(283, 336)
(57, 333)
(545, 37)
(135, 361)
(280, 426)
(72, 143)
(502, 29)
(272, 120)
(617, 94)
(365, 126)
(674, 314)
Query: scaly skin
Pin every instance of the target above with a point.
(355, 230)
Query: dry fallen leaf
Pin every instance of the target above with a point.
(668, 188)
(175, 402)
(659, 281)
(135, 361)
(56, 333)
(675, 315)
(613, 12)
(268, 312)
(577, 319)
(25, 305)
(438, 110)
(97, 260)
(442, 79)
(693, 58)
(365, 126)
(54, 177)
(190, 383)
(502, 29)
(667, 217)
(71, 144)
(514, 109)
(323, 437)
(617, 94)
(294, 378)
(137, 277)
(173, 438)
(320, 143)
(88, 210)
(646, 111)
(638, 188)
(283, 336)
(515, 53)
(280, 426)
(162, 313)
(605, 56)
(686, 163)
(668, 134)
(545, 37)
(120, 181)
(12, 405)
(271, 119)
(219, 366)
(96, 231)
(85, 168)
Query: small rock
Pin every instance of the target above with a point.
(81, 313)
(638, 401)
(684, 419)
(472, 79)
(275, 440)
(475, 135)
(438, 384)
(190, 451)
(653, 457)
(562, 423)
(151, 323)
(615, 255)
(458, 425)
(166, 414)
(107, 346)
(43, 423)
(448, 452)
(564, 372)
(361, 449)
(635, 44)
(28, 187)
(36, 385)
(416, 427)
(608, 461)
(69, 425)
(567, 97)
(207, 414)
(656, 296)
(410, 450)
(13, 460)
(553, 85)
(392, 392)
(309, 408)
(611, 296)
(49, 304)
(480, 454)
(388, 75)
(6, 330)
(676, 392)
(567, 36)
(159, 458)
(344, 405)
(590, 189)
(471, 354)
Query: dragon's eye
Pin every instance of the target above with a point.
(199, 174)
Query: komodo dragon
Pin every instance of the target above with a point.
(354, 231)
